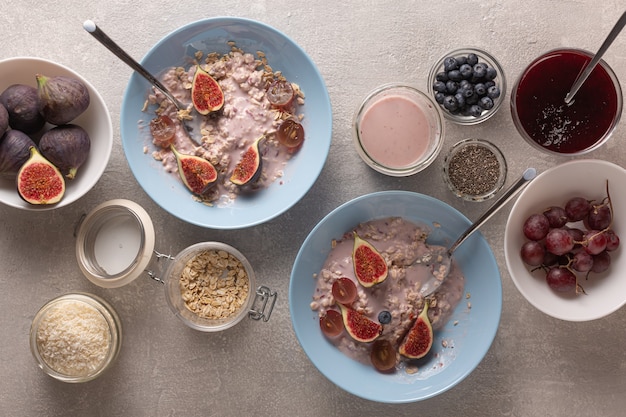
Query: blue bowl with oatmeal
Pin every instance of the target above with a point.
(465, 310)
(243, 56)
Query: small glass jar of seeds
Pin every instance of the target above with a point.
(474, 169)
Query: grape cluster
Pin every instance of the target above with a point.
(570, 240)
(466, 86)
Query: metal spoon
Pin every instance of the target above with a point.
(592, 64)
(443, 257)
(192, 130)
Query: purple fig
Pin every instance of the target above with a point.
(67, 147)
(4, 119)
(14, 152)
(22, 104)
(61, 98)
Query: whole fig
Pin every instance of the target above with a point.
(22, 104)
(61, 98)
(14, 152)
(4, 119)
(67, 147)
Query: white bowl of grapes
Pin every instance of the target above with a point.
(562, 240)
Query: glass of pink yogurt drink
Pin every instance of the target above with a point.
(398, 130)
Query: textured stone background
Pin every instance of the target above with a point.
(536, 366)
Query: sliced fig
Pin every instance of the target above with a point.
(198, 174)
(359, 326)
(4, 119)
(206, 94)
(67, 147)
(22, 104)
(39, 181)
(61, 98)
(14, 152)
(370, 267)
(249, 168)
(419, 339)
(383, 355)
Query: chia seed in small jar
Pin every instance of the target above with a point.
(475, 170)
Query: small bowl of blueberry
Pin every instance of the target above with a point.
(469, 85)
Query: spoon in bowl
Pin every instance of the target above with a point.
(440, 268)
(193, 131)
(582, 77)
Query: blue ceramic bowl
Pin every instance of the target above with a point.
(213, 35)
(470, 330)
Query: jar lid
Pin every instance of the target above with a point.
(115, 242)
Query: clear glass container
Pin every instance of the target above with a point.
(575, 129)
(75, 337)
(115, 243)
(499, 81)
(225, 279)
(474, 169)
(398, 130)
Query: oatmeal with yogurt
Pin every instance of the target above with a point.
(393, 304)
(258, 102)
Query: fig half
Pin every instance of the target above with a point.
(61, 98)
(198, 174)
(370, 267)
(359, 326)
(249, 167)
(419, 340)
(206, 94)
(39, 181)
(67, 147)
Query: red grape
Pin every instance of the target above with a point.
(601, 262)
(599, 217)
(556, 216)
(344, 290)
(331, 323)
(280, 92)
(536, 227)
(577, 208)
(290, 133)
(582, 261)
(559, 241)
(561, 279)
(612, 240)
(594, 242)
(533, 253)
(383, 355)
(163, 130)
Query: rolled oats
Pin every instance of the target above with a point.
(214, 284)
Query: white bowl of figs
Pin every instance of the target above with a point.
(562, 240)
(55, 134)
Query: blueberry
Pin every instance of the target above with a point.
(460, 100)
(439, 86)
(450, 103)
(493, 92)
(451, 86)
(480, 70)
(480, 89)
(455, 75)
(464, 84)
(491, 73)
(473, 99)
(466, 71)
(472, 59)
(461, 60)
(475, 110)
(439, 97)
(441, 76)
(489, 84)
(384, 317)
(450, 64)
(486, 103)
(468, 92)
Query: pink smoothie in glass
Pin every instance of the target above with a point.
(395, 132)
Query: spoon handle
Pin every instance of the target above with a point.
(526, 177)
(104, 39)
(592, 64)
